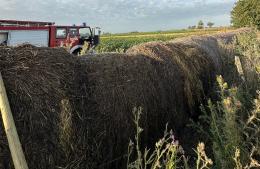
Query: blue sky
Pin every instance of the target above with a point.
(121, 15)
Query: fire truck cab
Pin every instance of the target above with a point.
(47, 34)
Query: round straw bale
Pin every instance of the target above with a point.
(166, 80)
(36, 81)
(120, 82)
(207, 43)
(192, 62)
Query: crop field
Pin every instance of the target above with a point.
(122, 42)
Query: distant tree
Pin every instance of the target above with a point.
(200, 25)
(192, 27)
(210, 24)
(133, 32)
(106, 33)
(246, 13)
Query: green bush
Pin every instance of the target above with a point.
(246, 13)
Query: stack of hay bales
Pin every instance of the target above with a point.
(76, 112)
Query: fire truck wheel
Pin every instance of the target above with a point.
(77, 51)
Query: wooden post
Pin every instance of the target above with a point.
(10, 129)
(239, 68)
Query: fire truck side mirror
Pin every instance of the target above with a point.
(96, 31)
(96, 40)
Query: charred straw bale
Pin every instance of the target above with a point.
(76, 112)
(116, 84)
(167, 80)
(36, 81)
(192, 62)
(56, 118)
(211, 44)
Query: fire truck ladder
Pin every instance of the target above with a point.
(24, 23)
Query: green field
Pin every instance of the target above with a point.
(121, 42)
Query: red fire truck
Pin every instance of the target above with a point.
(47, 34)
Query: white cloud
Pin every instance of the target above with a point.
(119, 15)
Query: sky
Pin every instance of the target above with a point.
(118, 16)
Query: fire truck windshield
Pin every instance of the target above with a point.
(84, 32)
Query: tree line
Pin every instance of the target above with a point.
(201, 25)
(245, 13)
